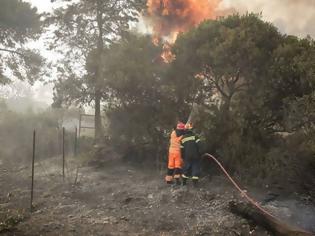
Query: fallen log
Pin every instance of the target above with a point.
(267, 221)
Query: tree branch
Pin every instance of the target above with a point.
(12, 51)
(218, 87)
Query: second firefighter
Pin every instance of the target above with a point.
(191, 154)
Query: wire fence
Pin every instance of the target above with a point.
(56, 146)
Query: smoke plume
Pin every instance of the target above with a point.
(169, 17)
(294, 17)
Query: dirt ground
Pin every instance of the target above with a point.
(115, 199)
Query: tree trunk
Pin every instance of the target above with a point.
(98, 75)
(266, 221)
(98, 117)
(226, 104)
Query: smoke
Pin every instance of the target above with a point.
(295, 213)
(169, 17)
(294, 17)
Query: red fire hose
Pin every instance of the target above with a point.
(243, 193)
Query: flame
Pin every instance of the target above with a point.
(170, 17)
(167, 54)
(155, 40)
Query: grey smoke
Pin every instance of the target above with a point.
(294, 17)
(295, 213)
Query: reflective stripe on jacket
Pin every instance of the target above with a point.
(191, 138)
(190, 145)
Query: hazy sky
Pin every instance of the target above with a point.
(290, 16)
(42, 5)
(38, 92)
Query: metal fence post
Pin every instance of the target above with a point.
(33, 162)
(63, 153)
(75, 141)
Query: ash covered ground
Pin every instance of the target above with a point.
(121, 199)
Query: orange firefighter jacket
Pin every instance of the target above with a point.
(175, 143)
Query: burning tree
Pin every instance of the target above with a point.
(170, 17)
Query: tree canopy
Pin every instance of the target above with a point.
(258, 78)
(19, 24)
(86, 27)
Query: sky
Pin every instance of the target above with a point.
(42, 5)
(295, 17)
(291, 16)
(39, 92)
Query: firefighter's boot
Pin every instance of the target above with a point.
(169, 179)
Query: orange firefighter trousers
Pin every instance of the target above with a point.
(175, 164)
(175, 160)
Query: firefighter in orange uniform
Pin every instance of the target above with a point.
(175, 162)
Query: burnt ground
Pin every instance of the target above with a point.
(115, 199)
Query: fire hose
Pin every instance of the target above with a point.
(243, 193)
(239, 189)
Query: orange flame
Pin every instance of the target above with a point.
(169, 17)
(167, 54)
